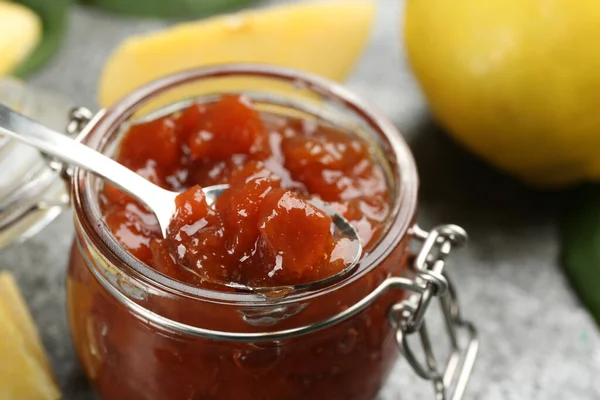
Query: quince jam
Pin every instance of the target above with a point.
(263, 230)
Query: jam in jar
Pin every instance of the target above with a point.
(148, 322)
(263, 230)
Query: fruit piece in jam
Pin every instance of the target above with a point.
(296, 238)
(230, 126)
(258, 235)
(263, 230)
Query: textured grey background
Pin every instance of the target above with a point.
(537, 340)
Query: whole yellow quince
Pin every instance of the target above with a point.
(516, 82)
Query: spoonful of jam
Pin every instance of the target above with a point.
(256, 233)
(314, 242)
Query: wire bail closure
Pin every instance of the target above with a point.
(407, 317)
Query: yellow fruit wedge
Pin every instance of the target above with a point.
(20, 32)
(324, 38)
(15, 305)
(24, 370)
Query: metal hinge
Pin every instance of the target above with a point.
(408, 316)
(79, 117)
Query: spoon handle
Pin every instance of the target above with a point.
(70, 151)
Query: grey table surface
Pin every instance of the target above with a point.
(537, 342)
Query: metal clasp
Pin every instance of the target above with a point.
(79, 117)
(408, 316)
(80, 122)
(42, 195)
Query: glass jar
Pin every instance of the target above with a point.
(142, 335)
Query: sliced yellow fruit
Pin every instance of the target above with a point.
(20, 32)
(15, 305)
(324, 38)
(24, 372)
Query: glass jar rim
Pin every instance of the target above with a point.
(108, 121)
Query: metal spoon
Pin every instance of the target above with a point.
(160, 201)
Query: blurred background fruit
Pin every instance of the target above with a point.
(324, 38)
(20, 33)
(168, 8)
(53, 14)
(516, 82)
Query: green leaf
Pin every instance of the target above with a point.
(54, 18)
(169, 8)
(580, 231)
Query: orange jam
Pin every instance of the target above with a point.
(263, 230)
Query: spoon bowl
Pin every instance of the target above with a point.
(158, 200)
(340, 226)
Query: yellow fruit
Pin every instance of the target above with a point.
(323, 37)
(24, 371)
(516, 82)
(15, 305)
(20, 32)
